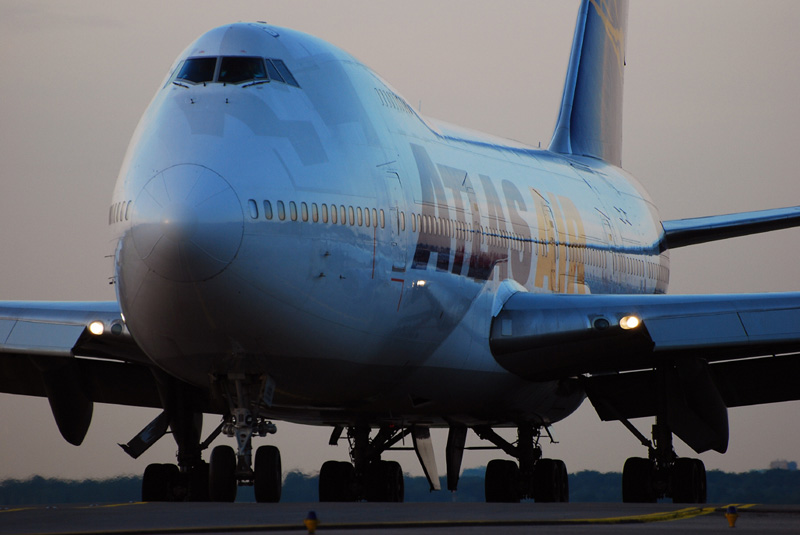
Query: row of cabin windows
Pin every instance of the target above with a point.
(641, 268)
(358, 216)
(325, 213)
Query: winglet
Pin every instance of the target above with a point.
(590, 120)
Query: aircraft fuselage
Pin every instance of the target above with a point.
(317, 229)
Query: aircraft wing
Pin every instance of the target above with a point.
(682, 232)
(43, 352)
(722, 351)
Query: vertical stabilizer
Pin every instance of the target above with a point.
(590, 120)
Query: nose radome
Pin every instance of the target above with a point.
(187, 223)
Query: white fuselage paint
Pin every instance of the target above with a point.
(229, 257)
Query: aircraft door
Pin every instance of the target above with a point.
(397, 221)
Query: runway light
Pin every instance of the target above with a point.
(96, 328)
(629, 322)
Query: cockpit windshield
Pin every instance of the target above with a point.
(198, 70)
(238, 69)
(234, 70)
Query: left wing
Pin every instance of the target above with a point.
(705, 344)
(43, 350)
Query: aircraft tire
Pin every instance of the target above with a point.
(268, 475)
(550, 481)
(501, 483)
(384, 482)
(197, 481)
(336, 482)
(222, 475)
(637, 481)
(158, 481)
(688, 481)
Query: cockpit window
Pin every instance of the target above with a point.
(285, 73)
(237, 69)
(273, 72)
(198, 70)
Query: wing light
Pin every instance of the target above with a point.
(630, 322)
(96, 328)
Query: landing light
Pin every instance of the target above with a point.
(96, 328)
(629, 322)
(421, 283)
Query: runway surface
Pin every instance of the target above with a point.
(406, 518)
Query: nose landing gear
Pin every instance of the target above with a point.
(228, 468)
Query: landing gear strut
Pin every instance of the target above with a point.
(544, 480)
(367, 477)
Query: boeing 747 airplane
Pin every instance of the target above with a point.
(295, 242)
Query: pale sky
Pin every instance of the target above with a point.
(711, 126)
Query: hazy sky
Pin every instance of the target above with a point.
(712, 125)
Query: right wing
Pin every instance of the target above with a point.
(43, 352)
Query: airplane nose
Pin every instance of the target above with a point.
(187, 223)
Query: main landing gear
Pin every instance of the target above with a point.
(367, 477)
(192, 479)
(543, 480)
(663, 473)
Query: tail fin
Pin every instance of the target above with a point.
(590, 120)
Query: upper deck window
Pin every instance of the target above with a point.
(198, 70)
(237, 69)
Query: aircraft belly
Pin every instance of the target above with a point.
(423, 394)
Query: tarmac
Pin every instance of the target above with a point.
(138, 518)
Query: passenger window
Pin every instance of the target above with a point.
(383, 219)
(268, 209)
(366, 216)
(251, 203)
(374, 217)
(238, 69)
(314, 212)
(342, 215)
(334, 214)
(352, 216)
(197, 70)
(127, 210)
(281, 211)
(360, 216)
(402, 221)
(293, 211)
(304, 211)
(324, 213)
